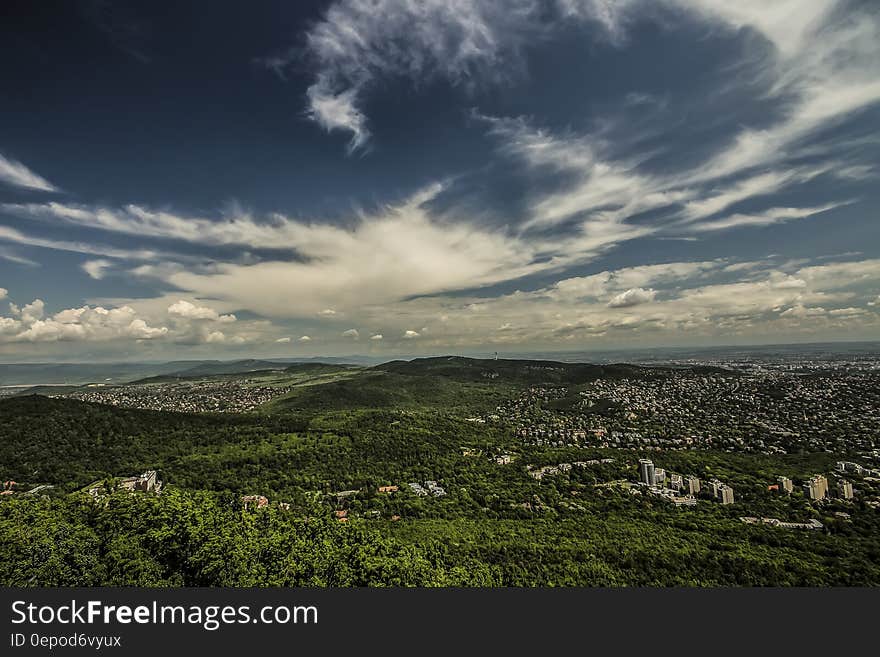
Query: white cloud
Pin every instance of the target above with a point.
(755, 186)
(17, 174)
(359, 42)
(9, 234)
(304, 338)
(632, 297)
(185, 310)
(376, 337)
(96, 268)
(700, 301)
(351, 333)
(409, 250)
(826, 61)
(822, 68)
(11, 256)
(3, 292)
(409, 335)
(87, 323)
(337, 111)
(401, 252)
(799, 310)
(763, 218)
(215, 337)
(283, 340)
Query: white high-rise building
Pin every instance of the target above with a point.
(646, 472)
(725, 494)
(816, 488)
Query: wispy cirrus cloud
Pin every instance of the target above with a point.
(13, 172)
(9, 234)
(360, 42)
(763, 218)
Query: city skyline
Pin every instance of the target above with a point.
(392, 178)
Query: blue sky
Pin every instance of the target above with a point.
(391, 177)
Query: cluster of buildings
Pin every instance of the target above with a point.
(672, 484)
(812, 524)
(770, 409)
(550, 470)
(203, 396)
(721, 491)
(669, 485)
(147, 482)
(816, 488)
(430, 488)
(649, 475)
(855, 468)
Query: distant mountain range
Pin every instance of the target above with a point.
(46, 374)
(32, 374)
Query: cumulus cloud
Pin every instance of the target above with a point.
(106, 323)
(632, 297)
(702, 300)
(215, 337)
(86, 323)
(304, 338)
(409, 335)
(283, 340)
(800, 310)
(3, 292)
(195, 324)
(351, 333)
(376, 337)
(186, 310)
(15, 173)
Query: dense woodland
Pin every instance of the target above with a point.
(497, 526)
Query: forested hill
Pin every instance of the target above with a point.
(328, 523)
(525, 371)
(68, 442)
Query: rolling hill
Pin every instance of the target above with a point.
(530, 372)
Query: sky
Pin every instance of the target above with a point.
(382, 177)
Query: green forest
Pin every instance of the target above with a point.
(320, 457)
